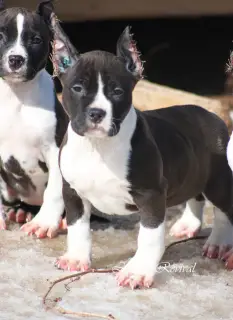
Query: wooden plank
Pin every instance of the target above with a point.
(81, 10)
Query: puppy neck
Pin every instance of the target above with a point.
(17, 86)
(29, 92)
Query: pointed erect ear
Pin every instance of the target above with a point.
(44, 9)
(64, 54)
(229, 66)
(126, 49)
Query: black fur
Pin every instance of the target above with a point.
(182, 150)
(178, 153)
(76, 103)
(62, 122)
(16, 178)
(73, 203)
(35, 31)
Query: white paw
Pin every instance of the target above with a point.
(137, 274)
(72, 263)
(190, 222)
(78, 255)
(43, 225)
(186, 227)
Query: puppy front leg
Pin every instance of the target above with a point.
(46, 222)
(78, 212)
(140, 270)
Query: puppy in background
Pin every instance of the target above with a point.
(32, 122)
(122, 161)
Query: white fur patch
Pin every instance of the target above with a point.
(17, 48)
(27, 132)
(190, 221)
(97, 168)
(151, 247)
(79, 237)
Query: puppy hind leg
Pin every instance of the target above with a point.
(189, 224)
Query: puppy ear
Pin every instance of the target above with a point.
(229, 66)
(126, 49)
(44, 9)
(64, 55)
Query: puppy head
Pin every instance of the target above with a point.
(97, 86)
(24, 42)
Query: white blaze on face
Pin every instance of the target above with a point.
(101, 102)
(18, 48)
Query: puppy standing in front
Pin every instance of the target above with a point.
(32, 121)
(122, 161)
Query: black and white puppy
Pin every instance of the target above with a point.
(32, 121)
(122, 161)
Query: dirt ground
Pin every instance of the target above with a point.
(26, 267)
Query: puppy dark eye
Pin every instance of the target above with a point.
(118, 91)
(36, 40)
(77, 88)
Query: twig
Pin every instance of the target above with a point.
(78, 275)
(185, 240)
(84, 314)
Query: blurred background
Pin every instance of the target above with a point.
(185, 43)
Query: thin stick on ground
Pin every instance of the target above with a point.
(78, 275)
(186, 240)
(84, 314)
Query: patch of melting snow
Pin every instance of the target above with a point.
(26, 263)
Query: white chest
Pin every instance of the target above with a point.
(27, 124)
(27, 111)
(98, 171)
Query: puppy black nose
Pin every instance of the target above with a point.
(16, 61)
(96, 115)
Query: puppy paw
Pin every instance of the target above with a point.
(186, 227)
(220, 240)
(136, 275)
(40, 229)
(67, 262)
(214, 251)
(19, 215)
(43, 230)
(134, 281)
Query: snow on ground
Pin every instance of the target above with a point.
(26, 264)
